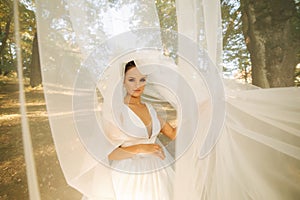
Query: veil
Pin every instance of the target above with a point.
(241, 142)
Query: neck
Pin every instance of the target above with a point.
(132, 100)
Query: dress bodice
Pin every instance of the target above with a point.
(135, 129)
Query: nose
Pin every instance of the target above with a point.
(138, 84)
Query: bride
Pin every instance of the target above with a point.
(139, 150)
(134, 82)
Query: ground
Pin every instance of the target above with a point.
(13, 180)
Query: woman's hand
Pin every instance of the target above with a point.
(154, 149)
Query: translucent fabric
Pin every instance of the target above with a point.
(241, 143)
(257, 156)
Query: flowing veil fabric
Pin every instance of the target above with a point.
(253, 153)
(257, 156)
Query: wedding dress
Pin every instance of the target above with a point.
(234, 141)
(141, 177)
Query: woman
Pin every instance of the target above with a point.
(139, 159)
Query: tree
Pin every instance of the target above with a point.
(6, 18)
(4, 31)
(271, 31)
(167, 17)
(35, 68)
(236, 57)
(7, 40)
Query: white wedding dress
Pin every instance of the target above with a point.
(143, 176)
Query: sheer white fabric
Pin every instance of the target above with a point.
(256, 155)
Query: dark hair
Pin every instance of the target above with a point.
(129, 66)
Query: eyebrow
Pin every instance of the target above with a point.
(135, 77)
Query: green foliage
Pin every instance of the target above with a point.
(7, 36)
(167, 16)
(236, 57)
(6, 54)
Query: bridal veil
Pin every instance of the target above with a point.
(235, 141)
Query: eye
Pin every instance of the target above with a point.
(131, 79)
(143, 80)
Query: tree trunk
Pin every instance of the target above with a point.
(271, 40)
(35, 68)
(6, 34)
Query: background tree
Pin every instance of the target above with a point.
(271, 31)
(265, 31)
(28, 43)
(35, 67)
(166, 10)
(236, 57)
(27, 32)
(6, 54)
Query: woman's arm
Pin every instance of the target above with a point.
(130, 151)
(168, 130)
(123, 152)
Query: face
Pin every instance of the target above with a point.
(134, 82)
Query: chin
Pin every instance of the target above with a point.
(135, 94)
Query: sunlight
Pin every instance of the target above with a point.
(9, 117)
(117, 20)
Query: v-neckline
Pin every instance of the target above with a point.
(149, 135)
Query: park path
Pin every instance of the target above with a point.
(13, 183)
